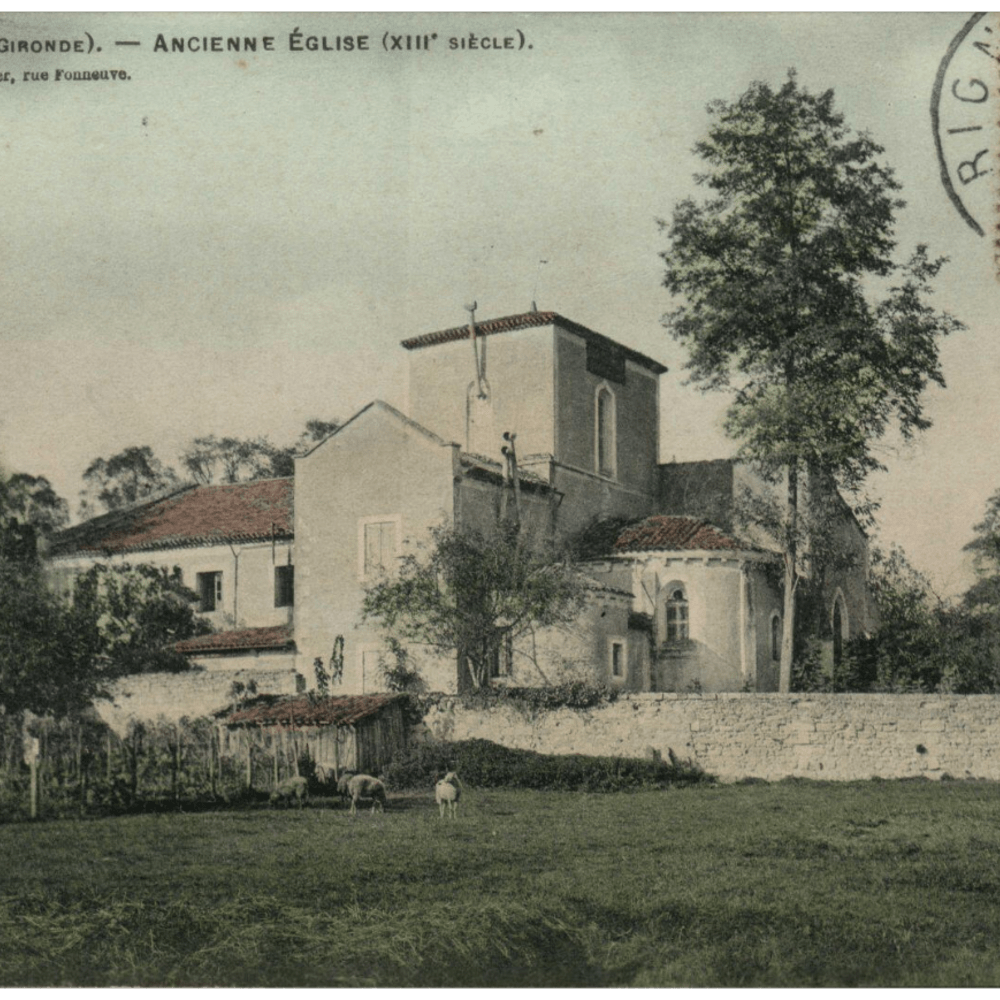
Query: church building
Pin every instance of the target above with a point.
(678, 598)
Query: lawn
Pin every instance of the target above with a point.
(788, 884)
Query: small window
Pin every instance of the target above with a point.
(605, 433)
(776, 637)
(502, 654)
(617, 658)
(379, 546)
(677, 616)
(209, 591)
(284, 586)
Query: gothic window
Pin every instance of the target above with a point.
(606, 459)
(839, 630)
(502, 654)
(677, 616)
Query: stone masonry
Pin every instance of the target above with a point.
(732, 736)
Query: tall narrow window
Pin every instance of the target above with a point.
(775, 637)
(502, 654)
(838, 632)
(209, 591)
(677, 616)
(617, 653)
(605, 432)
(284, 586)
(379, 545)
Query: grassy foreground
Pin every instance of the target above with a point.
(792, 884)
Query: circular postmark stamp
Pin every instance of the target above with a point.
(964, 114)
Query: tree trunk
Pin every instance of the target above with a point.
(791, 579)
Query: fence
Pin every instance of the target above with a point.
(83, 767)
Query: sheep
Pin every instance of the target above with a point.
(364, 786)
(291, 788)
(342, 790)
(447, 792)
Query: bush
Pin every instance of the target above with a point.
(484, 764)
(570, 694)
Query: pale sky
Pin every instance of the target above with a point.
(232, 243)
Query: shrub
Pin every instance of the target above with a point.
(569, 694)
(484, 764)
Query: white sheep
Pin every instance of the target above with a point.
(290, 789)
(447, 792)
(364, 787)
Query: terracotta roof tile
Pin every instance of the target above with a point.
(268, 637)
(525, 321)
(196, 515)
(345, 710)
(663, 532)
(660, 532)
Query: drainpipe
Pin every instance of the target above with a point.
(236, 583)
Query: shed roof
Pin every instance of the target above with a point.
(194, 515)
(525, 321)
(342, 710)
(273, 637)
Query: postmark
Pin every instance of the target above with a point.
(964, 116)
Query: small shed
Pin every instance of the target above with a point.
(343, 733)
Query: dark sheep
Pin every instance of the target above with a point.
(291, 789)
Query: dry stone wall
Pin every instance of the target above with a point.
(733, 736)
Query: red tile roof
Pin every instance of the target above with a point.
(269, 637)
(661, 532)
(195, 515)
(666, 533)
(525, 321)
(345, 710)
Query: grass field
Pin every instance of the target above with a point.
(790, 884)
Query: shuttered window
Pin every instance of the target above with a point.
(379, 546)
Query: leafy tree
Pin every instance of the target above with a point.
(984, 594)
(32, 500)
(56, 656)
(908, 648)
(124, 479)
(29, 509)
(49, 652)
(470, 592)
(236, 460)
(774, 270)
(229, 460)
(140, 611)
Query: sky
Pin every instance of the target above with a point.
(233, 243)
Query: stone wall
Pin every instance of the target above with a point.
(148, 697)
(732, 736)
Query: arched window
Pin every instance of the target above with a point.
(839, 623)
(604, 433)
(677, 615)
(776, 637)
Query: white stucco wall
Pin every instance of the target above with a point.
(377, 466)
(247, 577)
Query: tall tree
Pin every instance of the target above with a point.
(229, 460)
(124, 479)
(29, 509)
(773, 271)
